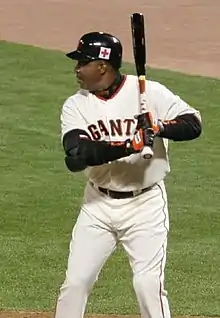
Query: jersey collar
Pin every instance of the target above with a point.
(113, 89)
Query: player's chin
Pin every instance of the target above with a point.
(86, 86)
(82, 84)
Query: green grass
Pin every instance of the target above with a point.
(40, 199)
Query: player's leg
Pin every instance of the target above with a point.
(92, 243)
(145, 242)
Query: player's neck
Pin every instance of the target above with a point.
(112, 88)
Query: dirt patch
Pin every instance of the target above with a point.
(22, 314)
(182, 35)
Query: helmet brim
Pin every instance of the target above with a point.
(79, 56)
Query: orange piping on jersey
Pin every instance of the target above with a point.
(117, 143)
(167, 122)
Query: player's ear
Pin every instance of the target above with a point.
(102, 67)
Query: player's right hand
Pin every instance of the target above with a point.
(144, 120)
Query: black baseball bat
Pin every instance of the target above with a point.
(139, 52)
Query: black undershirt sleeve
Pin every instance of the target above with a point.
(184, 127)
(81, 151)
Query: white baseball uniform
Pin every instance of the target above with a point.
(141, 223)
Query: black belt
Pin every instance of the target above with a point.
(123, 195)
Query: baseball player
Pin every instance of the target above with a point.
(125, 198)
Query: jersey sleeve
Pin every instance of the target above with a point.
(169, 106)
(71, 117)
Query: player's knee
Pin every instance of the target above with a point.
(77, 283)
(146, 282)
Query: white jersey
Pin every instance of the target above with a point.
(114, 120)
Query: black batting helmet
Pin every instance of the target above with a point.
(98, 46)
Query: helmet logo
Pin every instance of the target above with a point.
(104, 53)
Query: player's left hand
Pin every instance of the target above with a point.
(145, 121)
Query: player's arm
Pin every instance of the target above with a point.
(180, 128)
(177, 120)
(82, 152)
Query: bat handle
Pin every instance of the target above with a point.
(147, 152)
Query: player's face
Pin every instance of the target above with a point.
(89, 74)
